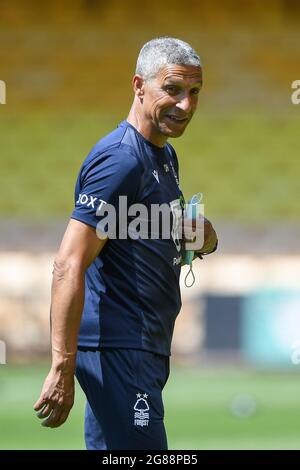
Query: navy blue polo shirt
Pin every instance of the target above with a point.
(132, 293)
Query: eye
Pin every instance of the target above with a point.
(172, 90)
(195, 91)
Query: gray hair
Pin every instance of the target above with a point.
(159, 52)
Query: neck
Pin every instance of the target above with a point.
(145, 127)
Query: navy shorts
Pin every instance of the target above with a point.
(124, 407)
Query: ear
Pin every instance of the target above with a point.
(138, 84)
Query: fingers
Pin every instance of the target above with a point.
(55, 413)
(56, 418)
(56, 399)
(39, 404)
(61, 419)
(44, 412)
(199, 234)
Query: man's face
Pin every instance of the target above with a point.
(170, 100)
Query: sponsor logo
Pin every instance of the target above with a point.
(90, 201)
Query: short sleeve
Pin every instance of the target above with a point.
(102, 181)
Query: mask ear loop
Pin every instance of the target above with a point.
(190, 271)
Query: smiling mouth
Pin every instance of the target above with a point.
(174, 118)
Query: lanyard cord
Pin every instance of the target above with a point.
(190, 271)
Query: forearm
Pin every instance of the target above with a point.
(78, 249)
(67, 301)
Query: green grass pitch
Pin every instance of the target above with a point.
(197, 409)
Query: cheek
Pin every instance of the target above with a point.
(157, 102)
(161, 104)
(195, 104)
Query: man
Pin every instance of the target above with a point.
(126, 287)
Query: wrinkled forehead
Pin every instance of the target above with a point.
(184, 73)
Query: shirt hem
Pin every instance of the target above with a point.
(82, 347)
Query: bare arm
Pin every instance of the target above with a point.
(78, 249)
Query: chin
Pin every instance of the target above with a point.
(175, 134)
(166, 131)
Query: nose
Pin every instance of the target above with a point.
(185, 104)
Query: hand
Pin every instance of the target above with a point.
(57, 398)
(210, 238)
(199, 235)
